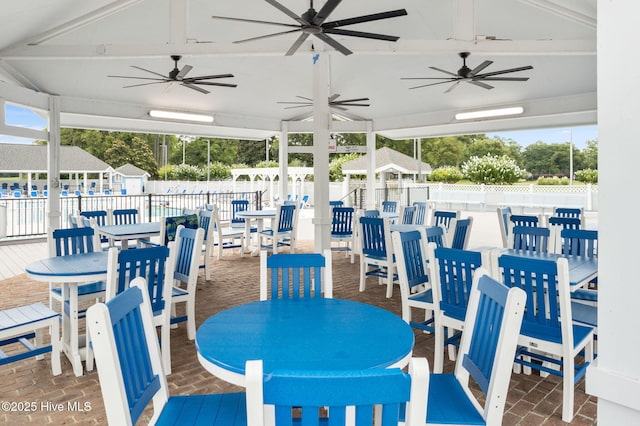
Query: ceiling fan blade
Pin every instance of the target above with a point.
(331, 42)
(138, 78)
(267, 36)
(146, 84)
(365, 18)
(334, 97)
(479, 68)
(504, 78)
(287, 12)
(481, 84)
(297, 106)
(295, 103)
(325, 11)
(489, 74)
(426, 78)
(296, 44)
(307, 99)
(196, 88)
(445, 71)
(144, 69)
(255, 21)
(362, 34)
(207, 77)
(433, 84)
(349, 104)
(341, 108)
(349, 100)
(211, 83)
(184, 71)
(453, 86)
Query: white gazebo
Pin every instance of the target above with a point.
(268, 175)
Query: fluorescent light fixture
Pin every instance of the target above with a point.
(489, 113)
(171, 115)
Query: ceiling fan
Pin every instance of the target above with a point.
(178, 76)
(333, 102)
(472, 76)
(312, 22)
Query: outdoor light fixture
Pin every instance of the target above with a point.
(489, 113)
(171, 115)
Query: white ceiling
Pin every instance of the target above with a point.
(68, 47)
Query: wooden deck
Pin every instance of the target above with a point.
(16, 255)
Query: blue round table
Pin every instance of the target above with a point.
(302, 334)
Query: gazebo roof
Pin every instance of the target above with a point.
(21, 158)
(387, 160)
(131, 170)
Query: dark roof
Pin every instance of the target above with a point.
(131, 170)
(387, 160)
(33, 158)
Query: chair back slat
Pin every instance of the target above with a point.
(435, 234)
(421, 212)
(414, 261)
(99, 215)
(148, 263)
(530, 238)
(408, 215)
(539, 279)
(568, 212)
(238, 206)
(455, 274)
(342, 221)
(443, 218)
(187, 250)
(373, 238)
(371, 213)
(389, 206)
(286, 218)
(125, 216)
(579, 242)
(295, 276)
(205, 222)
(462, 233)
(72, 241)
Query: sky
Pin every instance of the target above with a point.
(22, 117)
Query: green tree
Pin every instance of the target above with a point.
(484, 146)
(447, 174)
(335, 166)
(143, 157)
(445, 151)
(590, 154)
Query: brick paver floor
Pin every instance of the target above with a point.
(29, 394)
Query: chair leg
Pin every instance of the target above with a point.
(438, 356)
(568, 390)
(363, 276)
(56, 348)
(191, 320)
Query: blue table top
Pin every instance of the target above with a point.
(77, 265)
(305, 334)
(130, 229)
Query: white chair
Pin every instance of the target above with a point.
(130, 368)
(337, 397)
(376, 258)
(283, 231)
(189, 248)
(225, 237)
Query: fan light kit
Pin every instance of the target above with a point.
(489, 113)
(183, 116)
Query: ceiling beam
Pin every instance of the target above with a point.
(362, 47)
(464, 27)
(178, 15)
(17, 76)
(564, 12)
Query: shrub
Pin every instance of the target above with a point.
(186, 172)
(492, 170)
(553, 181)
(447, 174)
(218, 171)
(587, 176)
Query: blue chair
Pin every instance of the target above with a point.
(101, 218)
(337, 397)
(376, 259)
(239, 206)
(337, 203)
(436, 235)
(69, 241)
(283, 232)
(577, 213)
(156, 265)
(444, 218)
(421, 212)
(185, 275)
(342, 229)
(556, 225)
(451, 278)
(407, 215)
(130, 368)
(548, 333)
(461, 234)
(295, 275)
(530, 238)
(125, 216)
(582, 242)
(489, 340)
(416, 291)
(206, 252)
(371, 213)
(304, 202)
(389, 206)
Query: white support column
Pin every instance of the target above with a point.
(53, 164)
(321, 135)
(615, 375)
(371, 167)
(283, 161)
